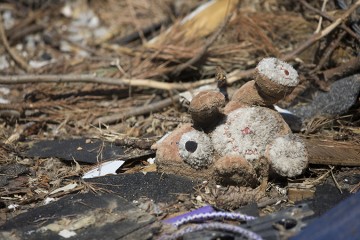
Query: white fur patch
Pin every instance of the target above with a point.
(246, 132)
(288, 156)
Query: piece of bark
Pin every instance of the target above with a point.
(299, 191)
(329, 152)
(298, 194)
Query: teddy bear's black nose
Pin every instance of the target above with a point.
(191, 146)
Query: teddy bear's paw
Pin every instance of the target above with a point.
(275, 79)
(287, 155)
(195, 148)
(235, 170)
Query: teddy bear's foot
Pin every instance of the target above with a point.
(287, 155)
(235, 170)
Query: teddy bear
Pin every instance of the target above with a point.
(240, 142)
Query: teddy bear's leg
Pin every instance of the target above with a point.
(287, 155)
(274, 79)
(248, 94)
(235, 170)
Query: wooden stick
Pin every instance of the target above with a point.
(346, 69)
(21, 79)
(153, 107)
(321, 17)
(333, 45)
(334, 179)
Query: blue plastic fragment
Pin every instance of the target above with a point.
(341, 222)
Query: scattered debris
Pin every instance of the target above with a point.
(136, 185)
(13, 207)
(66, 233)
(83, 150)
(299, 192)
(49, 200)
(81, 81)
(82, 214)
(11, 171)
(66, 188)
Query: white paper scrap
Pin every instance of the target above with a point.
(104, 169)
(13, 206)
(281, 110)
(151, 160)
(67, 234)
(48, 200)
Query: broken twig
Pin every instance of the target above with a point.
(333, 45)
(17, 58)
(346, 69)
(21, 79)
(153, 107)
(330, 18)
(317, 36)
(334, 179)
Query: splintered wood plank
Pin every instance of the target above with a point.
(330, 152)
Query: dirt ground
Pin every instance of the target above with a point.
(112, 71)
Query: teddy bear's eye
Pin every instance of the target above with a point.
(195, 148)
(191, 146)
